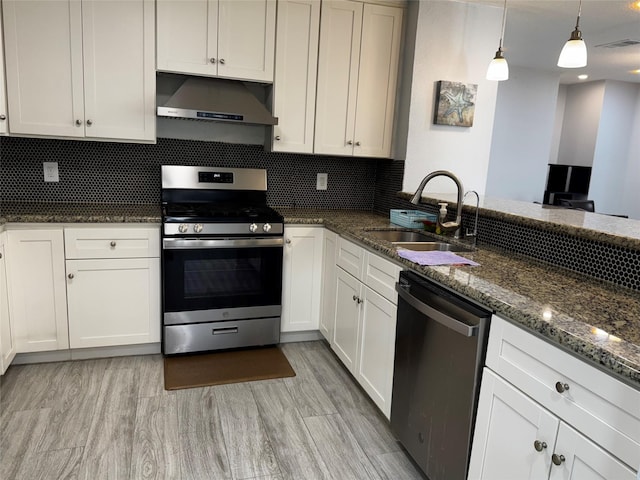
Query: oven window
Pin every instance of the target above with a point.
(202, 279)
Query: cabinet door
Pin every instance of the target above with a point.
(38, 301)
(377, 348)
(43, 45)
(187, 36)
(246, 39)
(301, 278)
(113, 302)
(507, 425)
(340, 30)
(119, 69)
(345, 335)
(3, 97)
(328, 312)
(7, 344)
(294, 89)
(378, 72)
(581, 459)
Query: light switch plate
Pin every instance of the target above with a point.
(322, 181)
(50, 171)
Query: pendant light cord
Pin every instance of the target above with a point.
(504, 20)
(579, 13)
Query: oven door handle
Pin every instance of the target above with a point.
(199, 243)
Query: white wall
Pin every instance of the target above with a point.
(455, 42)
(611, 159)
(580, 124)
(557, 124)
(522, 135)
(632, 186)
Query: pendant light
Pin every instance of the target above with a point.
(574, 52)
(498, 68)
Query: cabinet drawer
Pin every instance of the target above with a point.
(350, 257)
(381, 275)
(595, 403)
(116, 242)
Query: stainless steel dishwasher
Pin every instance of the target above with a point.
(441, 341)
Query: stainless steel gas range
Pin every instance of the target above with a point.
(221, 260)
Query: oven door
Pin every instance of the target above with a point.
(221, 279)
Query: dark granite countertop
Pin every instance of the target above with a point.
(596, 321)
(77, 213)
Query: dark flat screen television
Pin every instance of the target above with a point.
(566, 182)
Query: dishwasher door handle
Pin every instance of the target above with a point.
(442, 318)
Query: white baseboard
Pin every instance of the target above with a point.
(290, 337)
(85, 353)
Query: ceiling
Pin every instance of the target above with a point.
(536, 31)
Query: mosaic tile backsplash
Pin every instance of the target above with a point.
(117, 173)
(124, 173)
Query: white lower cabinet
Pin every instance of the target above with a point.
(7, 344)
(37, 294)
(328, 298)
(365, 320)
(113, 301)
(301, 278)
(106, 293)
(544, 414)
(113, 286)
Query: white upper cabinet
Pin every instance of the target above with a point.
(81, 68)
(357, 75)
(3, 97)
(294, 90)
(225, 38)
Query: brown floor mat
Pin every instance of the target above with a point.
(218, 368)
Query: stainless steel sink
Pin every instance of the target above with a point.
(413, 240)
(399, 236)
(433, 246)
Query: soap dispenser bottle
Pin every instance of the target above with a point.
(441, 217)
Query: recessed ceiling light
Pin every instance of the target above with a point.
(583, 76)
(637, 70)
(635, 5)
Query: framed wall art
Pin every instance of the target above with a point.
(455, 103)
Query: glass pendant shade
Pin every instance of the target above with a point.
(498, 68)
(574, 54)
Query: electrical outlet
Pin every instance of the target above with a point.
(50, 171)
(322, 181)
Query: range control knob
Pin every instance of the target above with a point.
(253, 228)
(197, 227)
(182, 228)
(266, 227)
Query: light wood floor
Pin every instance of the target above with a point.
(112, 419)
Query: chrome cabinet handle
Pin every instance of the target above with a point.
(539, 446)
(354, 298)
(78, 123)
(288, 241)
(557, 459)
(0, 255)
(357, 144)
(212, 60)
(113, 243)
(349, 142)
(71, 275)
(221, 61)
(357, 299)
(89, 122)
(562, 387)
(277, 137)
(3, 117)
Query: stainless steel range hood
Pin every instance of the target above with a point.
(217, 99)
